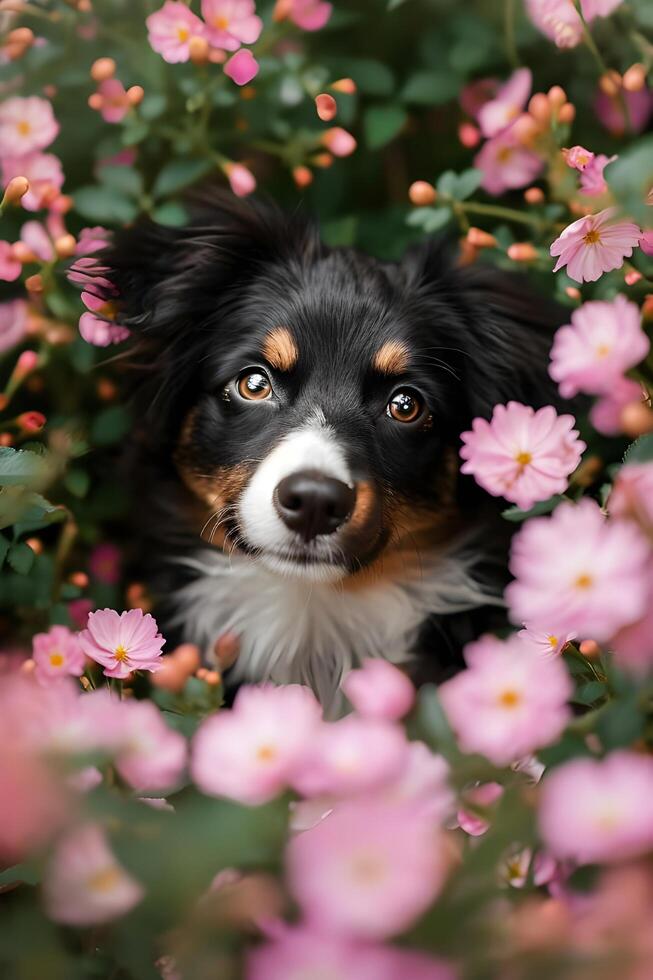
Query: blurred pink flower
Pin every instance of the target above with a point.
(514, 868)
(598, 8)
(547, 644)
(251, 752)
(482, 796)
(92, 240)
(379, 690)
(10, 268)
(241, 180)
(593, 811)
(368, 870)
(605, 414)
(104, 563)
(57, 653)
(578, 157)
(646, 243)
(506, 164)
(242, 67)
(609, 110)
(230, 23)
(521, 454)
(34, 802)
(602, 342)
(510, 700)
(170, 30)
(633, 645)
(84, 884)
(559, 20)
(474, 95)
(115, 104)
(34, 235)
(423, 782)
(632, 495)
(78, 610)
(338, 141)
(310, 15)
(26, 124)
(592, 181)
(594, 245)
(569, 568)
(151, 756)
(122, 642)
(102, 330)
(44, 173)
(13, 323)
(502, 110)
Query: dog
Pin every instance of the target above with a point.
(295, 456)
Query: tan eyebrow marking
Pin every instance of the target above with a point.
(391, 358)
(280, 349)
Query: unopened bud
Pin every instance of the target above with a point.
(28, 666)
(198, 50)
(80, 579)
(95, 101)
(572, 292)
(556, 96)
(106, 389)
(632, 277)
(522, 252)
(226, 649)
(539, 108)
(303, 176)
(345, 85)
(534, 195)
(647, 307)
(634, 79)
(65, 246)
(103, 69)
(481, 239)
(14, 191)
(469, 135)
(31, 421)
(610, 82)
(135, 95)
(322, 160)
(589, 649)
(34, 284)
(282, 9)
(326, 107)
(35, 544)
(567, 113)
(636, 419)
(525, 128)
(26, 363)
(421, 193)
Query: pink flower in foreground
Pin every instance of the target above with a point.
(510, 700)
(84, 884)
(599, 810)
(609, 110)
(633, 645)
(481, 797)
(241, 180)
(506, 164)
(13, 323)
(115, 103)
(422, 782)
(122, 642)
(34, 235)
(379, 690)
(170, 30)
(602, 342)
(251, 752)
(592, 181)
(44, 173)
(594, 245)
(632, 495)
(606, 413)
(34, 802)
(104, 563)
(26, 125)
(92, 240)
(558, 20)
(57, 653)
(151, 756)
(310, 15)
(242, 67)
(521, 454)
(338, 141)
(230, 23)
(10, 268)
(569, 567)
(368, 870)
(100, 330)
(545, 643)
(502, 110)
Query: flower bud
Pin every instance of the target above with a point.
(534, 195)
(567, 113)
(539, 108)
(242, 180)
(135, 95)
(80, 579)
(326, 107)
(34, 284)
(322, 160)
(589, 649)
(610, 82)
(636, 419)
(632, 277)
(95, 101)
(198, 50)
(556, 96)
(226, 649)
(102, 69)
(421, 193)
(525, 129)
(35, 544)
(6, 439)
(572, 292)
(14, 191)
(345, 85)
(634, 79)
(469, 135)
(282, 9)
(303, 176)
(26, 363)
(65, 246)
(481, 239)
(522, 252)
(31, 421)
(647, 307)
(339, 142)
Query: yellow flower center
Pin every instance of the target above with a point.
(368, 868)
(592, 237)
(104, 880)
(523, 459)
(182, 33)
(266, 753)
(221, 22)
(56, 659)
(584, 581)
(553, 641)
(509, 699)
(504, 154)
(24, 127)
(603, 350)
(121, 653)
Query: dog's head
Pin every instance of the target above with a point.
(311, 399)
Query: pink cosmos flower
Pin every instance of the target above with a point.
(34, 803)
(310, 15)
(368, 870)
(594, 245)
(506, 164)
(251, 752)
(151, 756)
(57, 653)
(423, 782)
(122, 642)
(546, 643)
(609, 110)
(242, 67)
(514, 868)
(230, 23)
(10, 268)
(646, 243)
(633, 645)
(13, 323)
(481, 796)
(34, 235)
(379, 690)
(44, 173)
(92, 240)
(602, 342)
(559, 20)
(26, 124)
(569, 567)
(241, 180)
(84, 884)
(171, 28)
(502, 110)
(521, 454)
(102, 330)
(592, 181)
(115, 104)
(599, 810)
(338, 141)
(104, 563)
(510, 700)
(632, 495)
(578, 157)
(605, 414)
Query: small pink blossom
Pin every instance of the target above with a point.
(151, 756)
(241, 180)
(104, 563)
(26, 124)
(474, 95)
(482, 796)
(632, 495)
(603, 341)
(310, 15)
(13, 323)
(547, 644)
(633, 645)
(559, 20)
(521, 454)
(592, 181)
(646, 243)
(242, 67)
(506, 164)
(34, 235)
(569, 567)
(84, 884)
(114, 101)
(510, 700)
(44, 173)
(122, 642)
(379, 690)
(578, 157)
(170, 30)
(609, 110)
(98, 327)
(594, 245)
(251, 752)
(34, 802)
(230, 23)
(57, 653)
(515, 867)
(599, 810)
(338, 141)
(92, 240)
(368, 870)
(606, 413)
(10, 268)
(423, 782)
(502, 110)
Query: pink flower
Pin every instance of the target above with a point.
(92, 240)
(521, 454)
(368, 870)
(114, 101)
(251, 752)
(13, 323)
(78, 610)
(599, 810)
(506, 164)
(151, 756)
(104, 563)
(474, 95)
(559, 20)
(510, 700)
(502, 110)
(310, 15)
(632, 495)
(379, 690)
(26, 125)
(423, 782)
(578, 157)
(34, 802)
(241, 180)
(44, 173)
(594, 245)
(515, 866)
(646, 243)
(230, 23)
(338, 141)
(569, 567)
(242, 67)
(122, 642)
(84, 884)
(609, 110)
(605, 414)
(171, 28)
(482, 797)
(102, 330)
(633, 645)
(602, 342)
(598, 8)
(547, 644)
(34, 235)
(10, 268)
(592, 181)
(57, 653)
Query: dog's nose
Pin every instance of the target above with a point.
(312, 503)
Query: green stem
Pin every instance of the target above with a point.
(509, 32)
(602, 66)
(498, 211)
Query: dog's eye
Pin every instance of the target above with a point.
(405, 406)
(254, 385)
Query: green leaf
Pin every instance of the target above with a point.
(429, 219)
(590, 692)
(21, 558)
(630, 178)
(36, 513)
(544, 507)
(103, 204)
(621, 723)
(172, 214)
(468, 182)
(153, 105)
(570, 746)
(340, 231)
(125, 180)
(430, 88)
(640, 451)
(77, 482)
(382, 123)
(178, 174)
(110, 426)
(4, 548)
